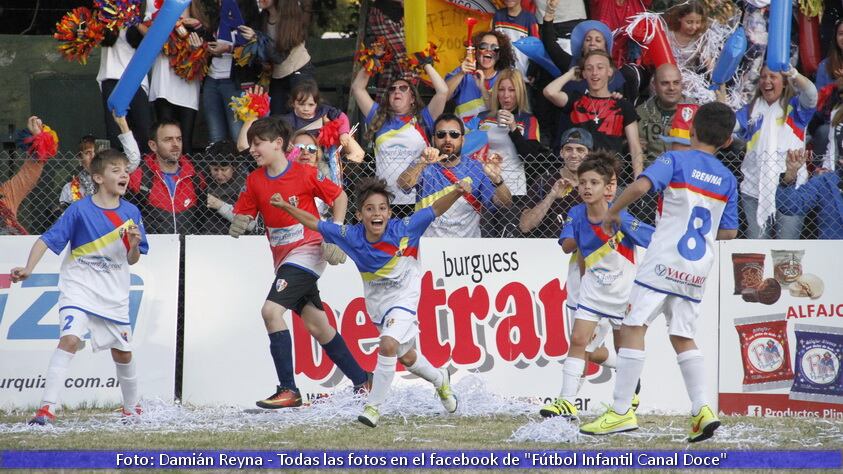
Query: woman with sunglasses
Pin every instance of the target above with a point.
(607, 119)
(470, 84)
(311, 154)
(399, 125)
(512, 130)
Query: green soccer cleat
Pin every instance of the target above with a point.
(635, 402)
(370, 416)
(610, 422)
(559, 407)
(703, 425)
(446, 396)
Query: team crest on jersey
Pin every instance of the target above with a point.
(343, 230)
(294, 201)
(634, 224)
(280, 284)
(186, 202)
(687, 113)
(390, 322)
(125, 336)
(406, 220)
(612, 244)
(121, 232)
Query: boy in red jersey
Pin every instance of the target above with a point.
(298, 253)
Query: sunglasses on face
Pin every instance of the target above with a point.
(399, 87)
(488, 47)
(307, 148)
(440, 134)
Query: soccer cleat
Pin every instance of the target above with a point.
(448, 399)
(611, 422)
(43, 416)
(370, 416)
(131, 416)
(365, 387)
(283, 398)
(703, 425)
(559, 407)
(635, 402)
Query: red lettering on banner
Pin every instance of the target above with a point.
(815, 311)
(517, 334)
(552, 298)
(306, 347)
(434, 350)
(463, 305)
(353, 331)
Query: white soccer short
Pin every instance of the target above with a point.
(105, 334)
(401, 326)
(680, 314)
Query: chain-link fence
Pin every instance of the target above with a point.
(30, 195)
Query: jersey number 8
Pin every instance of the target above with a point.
(692, 244)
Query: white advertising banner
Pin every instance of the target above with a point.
(781, 328)
(29, 329)
(492, 308)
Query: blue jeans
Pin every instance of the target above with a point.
(216, 95)
(786, 227)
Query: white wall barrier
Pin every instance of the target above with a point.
(29, 329)
(493, 308)
(781, 355)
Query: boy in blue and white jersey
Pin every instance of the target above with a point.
(607, 262)
(698, 205)
(106, 235)
(386, 254)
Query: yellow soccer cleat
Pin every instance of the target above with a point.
(703, 425)
(635, 402)
(370, 416)
(610, 422)
(559, 407)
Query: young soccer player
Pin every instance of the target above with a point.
(607, 262)
(699, 204)
(106, 235)
(386, 254)
(298, 253)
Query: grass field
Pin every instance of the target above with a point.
(412, 420)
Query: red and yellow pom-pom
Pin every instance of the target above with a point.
(43, 146)
(116, 14)
(78, 32)
(417, 61)
(188, 63)
(250, 106)
(375, 57)
(329, 134)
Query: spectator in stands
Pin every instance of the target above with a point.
(166, 186)
(471, 83)
(513, 132)
(516, 23)
(117, 49)
(82, 184)
(386, 20)
(609, 120)
(309, 114)
(686, 24)
(227, 178)
(436, 171)
(398, 125)
(831, 67)
(829, 72)
(225, 79)
(655, 115)
(307, 151)
(15, 190)
(556, 191)
(771, 124)
(287, 24)
(823, 194)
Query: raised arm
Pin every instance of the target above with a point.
(632, 193)
(553, 91)
(440, 97)
(127, 139)
(361, 95)
(307, 219)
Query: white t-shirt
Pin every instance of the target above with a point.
(114, 59)
(165, 84)
(565, 11)
(221, 66)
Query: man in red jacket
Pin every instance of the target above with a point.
(166, 186)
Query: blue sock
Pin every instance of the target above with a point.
(339, 353)
(281, 348)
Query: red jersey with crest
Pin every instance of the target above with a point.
(291, 243)
(604, 117)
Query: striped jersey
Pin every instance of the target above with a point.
(94, 277)
(512, 167)
(515, 28)
(572, 282)
(698, 197)
(463, 218)
(390, 267)
(609, 261)
(468, 98)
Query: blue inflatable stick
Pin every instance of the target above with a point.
(533, 48)
(730, 58)
(145, 55)
(778, 40)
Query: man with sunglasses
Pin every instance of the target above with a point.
(440, 168)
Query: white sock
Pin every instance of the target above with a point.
(630, 366)
(382, 379)
(692, 365)
(611, 359)
(127, 375)
(56, 373)
(571, 375)
(423, 369)
(580, 384)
